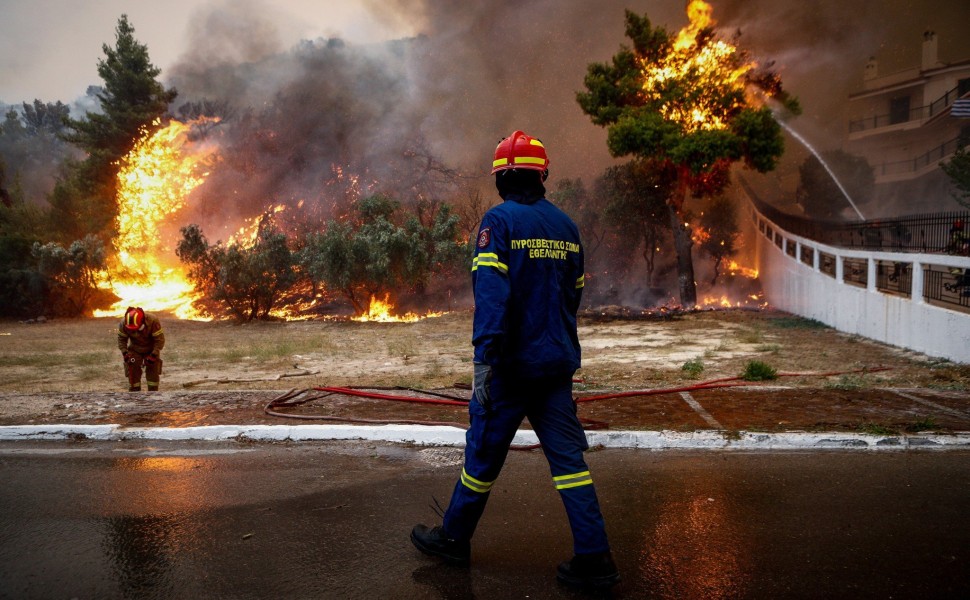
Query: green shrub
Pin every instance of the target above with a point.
(756, 370)
(694, 367)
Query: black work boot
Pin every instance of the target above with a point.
(589, 571)
(435, 542)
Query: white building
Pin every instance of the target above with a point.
(901, 123)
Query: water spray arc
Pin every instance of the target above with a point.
(825, 165)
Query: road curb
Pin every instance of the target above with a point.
(455, 436)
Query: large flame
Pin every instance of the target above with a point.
(699, 64)
(155, 179)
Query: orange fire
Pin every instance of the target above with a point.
(381, 311)
(735, 269)
(699, 235)
(699, 64)
(155, 179)
(722, 301)
(247, 233)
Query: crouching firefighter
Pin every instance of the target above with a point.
(141, 340)
(527, 278)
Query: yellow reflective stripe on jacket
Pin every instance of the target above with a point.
(489, 259)
(581, 281)
(474, 484)
(157, 333)
(573, 480)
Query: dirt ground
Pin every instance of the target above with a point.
(71, 371)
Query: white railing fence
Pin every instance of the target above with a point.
(911, 300)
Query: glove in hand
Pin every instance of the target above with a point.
(480, 385)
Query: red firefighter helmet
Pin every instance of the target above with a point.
(134, 318)
(520, 151)
(958, 225)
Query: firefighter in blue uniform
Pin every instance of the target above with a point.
(527, 275)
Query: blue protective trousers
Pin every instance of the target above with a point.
(549, 405)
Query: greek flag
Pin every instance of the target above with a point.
(961, 108)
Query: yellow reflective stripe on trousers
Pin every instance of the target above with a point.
(573, 480)
(474, 484)
(489, 259)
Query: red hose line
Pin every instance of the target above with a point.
(289, 399)
(363, 394)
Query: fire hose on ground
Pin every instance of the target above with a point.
(298, 397)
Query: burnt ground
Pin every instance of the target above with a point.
(217, 373)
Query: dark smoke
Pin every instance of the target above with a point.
(479, 69)
(483, 68)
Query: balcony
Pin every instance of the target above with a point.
(913, 117)
(911, 168)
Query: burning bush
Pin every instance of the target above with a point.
(369, 254)
(243, 281)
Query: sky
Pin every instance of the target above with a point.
(49, 49)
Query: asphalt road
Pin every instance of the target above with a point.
(331, 520)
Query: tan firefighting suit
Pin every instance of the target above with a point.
(142, 347)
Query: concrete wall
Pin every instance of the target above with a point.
(909, 322)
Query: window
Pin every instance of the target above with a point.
(963, 87)
(899, 110)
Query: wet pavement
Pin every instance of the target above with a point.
(178, 520)
(140, 517)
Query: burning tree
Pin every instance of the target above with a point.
(685, 104)
(131, 100)
(720, 232)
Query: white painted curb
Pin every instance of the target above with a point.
(423, 435)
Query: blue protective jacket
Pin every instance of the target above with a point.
(527, 275)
